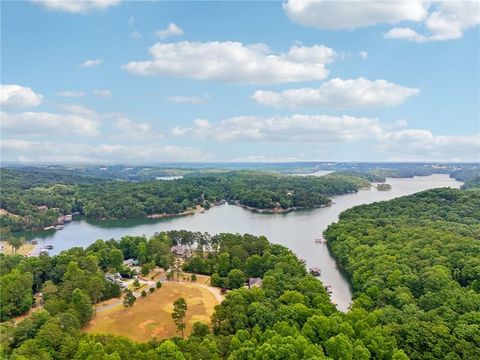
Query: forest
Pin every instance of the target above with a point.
(35, 200)
(414, 262)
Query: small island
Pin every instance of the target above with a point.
(384, 187)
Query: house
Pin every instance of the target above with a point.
(130, 262)
(254, 282)
(178, 250)
(115, 279)
(43, 207)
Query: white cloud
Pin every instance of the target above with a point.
(443, 20)
(193, 99)
(48, 124)
(128, 126)
(135, 34)
(129, 129)
(171, 30)
(76, 6)
(338, 93)
(295, 128)
(131, 21)
(316, 54)
(234, 62)
(102, 93)
(74, 94)
(78, 109)
(91, 63)
(403, 33)
(39, 151)
(335, 15)
(447, 22)
(18, 96)
(363, 55)
(423, 145)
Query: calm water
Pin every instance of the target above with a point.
(296, 230)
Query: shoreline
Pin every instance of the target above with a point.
(200, 210)
(281, 210)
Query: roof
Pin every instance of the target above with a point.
(254, 282)
(130, 262)
(178, 249)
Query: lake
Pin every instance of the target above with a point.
(296, 230)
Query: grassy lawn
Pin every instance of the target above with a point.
(151, 316)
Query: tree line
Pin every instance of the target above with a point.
(37, 203)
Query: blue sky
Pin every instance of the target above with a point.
(110, 81)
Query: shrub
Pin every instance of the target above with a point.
(194, 277)
(151, 290)
(144, 293)
(159, 284)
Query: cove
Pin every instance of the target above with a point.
(296, 230)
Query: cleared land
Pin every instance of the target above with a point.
(151, 316)
(25, 249)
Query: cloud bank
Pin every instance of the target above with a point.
(439, 20)
(338, 93)
(234, 62)
(406, 144)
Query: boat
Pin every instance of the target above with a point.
(49, 227)
(320, 240)
(315, 271)
(34, 242)
(43, 252)
(59, 227)
(49, 247)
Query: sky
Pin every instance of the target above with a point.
(110, 81)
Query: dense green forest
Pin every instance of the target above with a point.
(414, 262)
(290, 317)
(36, 200)
(473, 182)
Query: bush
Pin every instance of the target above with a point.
(151, 290)
(194, 277)
(159, 284)
(136, 283)
(144, 293)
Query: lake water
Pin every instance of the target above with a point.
(296, 230)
